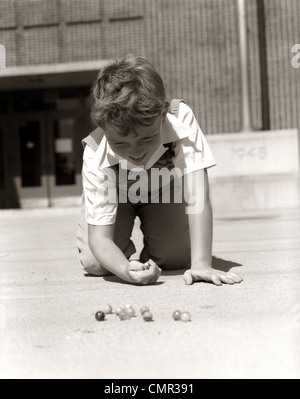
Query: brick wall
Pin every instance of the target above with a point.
(282, 32)
(193, 43)
(195, 46)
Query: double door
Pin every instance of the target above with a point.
(40, 160)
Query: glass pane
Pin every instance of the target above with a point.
(4, 103)
(64, 153)
(30, 141)
(1, 161)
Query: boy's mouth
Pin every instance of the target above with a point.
(139, 159)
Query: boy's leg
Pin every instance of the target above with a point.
(124, 225)
(166, 235)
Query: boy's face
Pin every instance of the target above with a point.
(139, 145)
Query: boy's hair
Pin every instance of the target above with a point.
(128, 92)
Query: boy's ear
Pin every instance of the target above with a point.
(164, 115)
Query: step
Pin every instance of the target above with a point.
(255, 193)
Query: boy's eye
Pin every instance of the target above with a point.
(118, 144)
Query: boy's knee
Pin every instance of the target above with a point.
(175, 261)
(169, 259)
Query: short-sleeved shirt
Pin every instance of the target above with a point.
(190, 153)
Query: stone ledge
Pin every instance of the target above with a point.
(255, 153)
(255, 193)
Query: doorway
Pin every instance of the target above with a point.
(64, 131)
(2, 169)
(45, 161)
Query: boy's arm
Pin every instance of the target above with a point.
(201, 233)
(101, 237)
(111, 258)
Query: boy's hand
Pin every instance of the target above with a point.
(137, 266)
(210, 275)
(143, 274)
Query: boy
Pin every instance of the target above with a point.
(136, 143)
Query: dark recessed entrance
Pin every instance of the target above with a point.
(40, 147)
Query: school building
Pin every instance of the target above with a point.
(231, 60)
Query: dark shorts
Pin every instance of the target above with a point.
(165, 228)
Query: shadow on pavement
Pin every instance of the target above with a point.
(114, 279)
(218, 264)
(224, 265)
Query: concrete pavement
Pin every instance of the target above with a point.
(47, 306)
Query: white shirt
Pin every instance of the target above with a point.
(192, 153)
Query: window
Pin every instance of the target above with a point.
(1, 161)
(30, 143)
